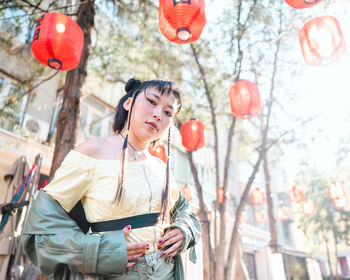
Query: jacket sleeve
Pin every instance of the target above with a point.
(52, 240)
(186, 220)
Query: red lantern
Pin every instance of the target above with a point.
(186, 190)
(336, 190)
(58, 41)
(158, 151)
(322, 41)
(301, 4)
(260, 216)
(296, 195)
(193, 135)
(283, 213)
(243, 218)
(340, 202)
(257, 197)
(182, 21)
(221, 196)
(245, 99)
(309, 207)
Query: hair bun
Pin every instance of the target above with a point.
(132, 84)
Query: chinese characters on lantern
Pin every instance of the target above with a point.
(58, 41)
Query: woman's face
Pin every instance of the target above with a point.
(152, 114)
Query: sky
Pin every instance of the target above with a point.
(326, 94)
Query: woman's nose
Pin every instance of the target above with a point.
(157, 113)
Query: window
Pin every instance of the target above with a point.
(344, 266)
(54, 118)
(12, 103)
(6, 88)
(249, 260)
(95, 125)
(295, 267)
(16, 23)
(1, 83)
(96, 119)
(110, 131)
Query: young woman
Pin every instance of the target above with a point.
(139, 222)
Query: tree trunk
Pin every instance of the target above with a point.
(208, 260)
(337, 277)
(273, 243)
(68, 119)
(329, 258)
(233, 242)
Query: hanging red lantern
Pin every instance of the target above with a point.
(58, 41)
(336, 190)
(158, 151)
(260, 216)
(296, 195)
(257, 196)
(182, 21)
(283, 213)
(221, 196)
(243, 218)
(187, 191)
(322, 41)
(193, 135)
(245, 99)
(302, 4)
(309, 207)
(340, 202)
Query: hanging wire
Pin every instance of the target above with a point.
(50, 10)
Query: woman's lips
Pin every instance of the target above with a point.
(153, 125)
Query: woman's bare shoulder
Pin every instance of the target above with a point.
(91, 147)
(99, 148)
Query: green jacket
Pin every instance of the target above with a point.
(54, 242)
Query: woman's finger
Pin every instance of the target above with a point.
(135, 256)
(170, 233)
(136, 246)
(172, 251)
(137, 251)
(131, 264)
(127, 230)
(170, 241)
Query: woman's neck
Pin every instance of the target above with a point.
(134, 143)
(136, 150)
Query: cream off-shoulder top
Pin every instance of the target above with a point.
(94, 182)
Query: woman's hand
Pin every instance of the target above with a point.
(134, 250)
(173, 238)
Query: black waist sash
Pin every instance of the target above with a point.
(139, 221)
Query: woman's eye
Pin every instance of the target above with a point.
(151, 101)
(168, 114)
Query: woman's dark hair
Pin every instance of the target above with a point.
(122, 120)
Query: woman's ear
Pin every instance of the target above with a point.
(127, 104)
